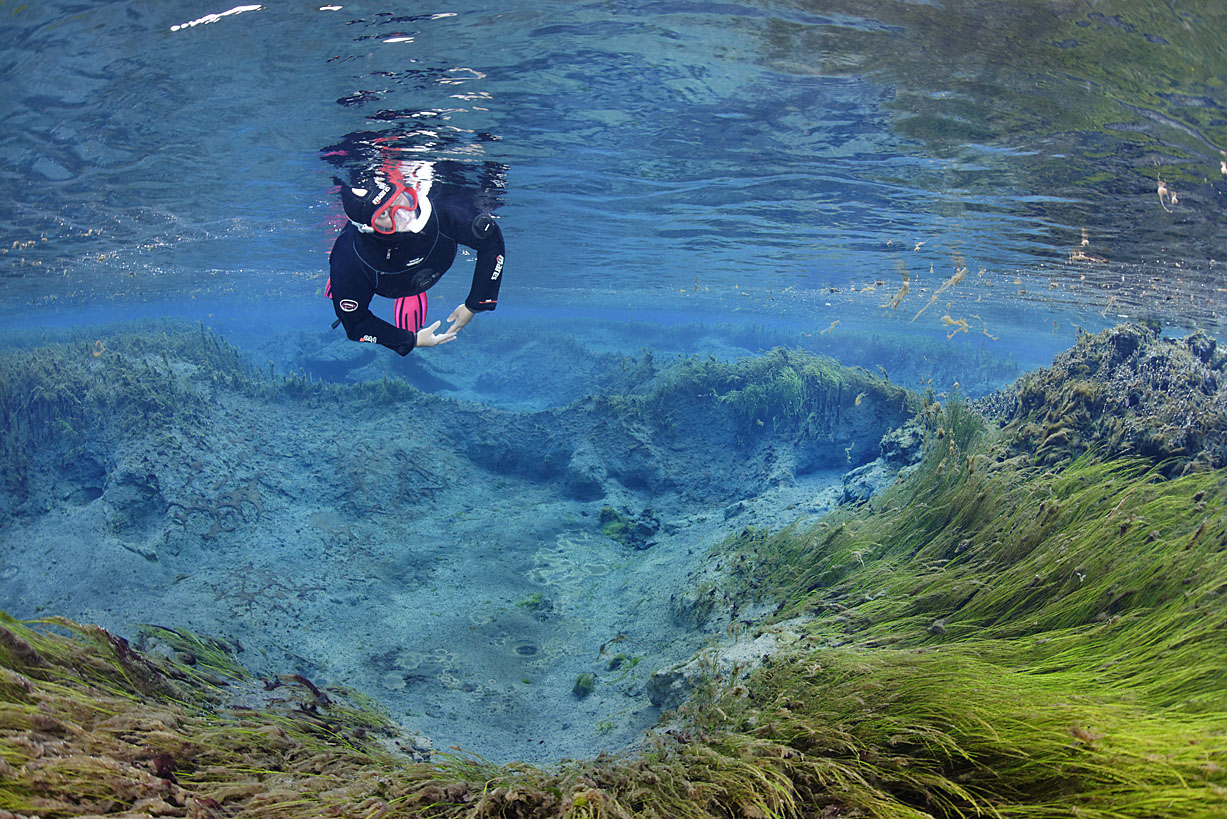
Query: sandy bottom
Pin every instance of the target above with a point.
(465, 602)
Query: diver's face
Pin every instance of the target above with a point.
(397, 216)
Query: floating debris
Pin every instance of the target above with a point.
(903, 289)
(1167, 194)
(960, 326)
(959, 275)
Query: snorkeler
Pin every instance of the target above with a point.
(397, 244)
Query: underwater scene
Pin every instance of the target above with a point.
(779, 410)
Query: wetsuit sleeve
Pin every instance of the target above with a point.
(351, 299)
(483, 235)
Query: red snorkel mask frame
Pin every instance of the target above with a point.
(390, 207)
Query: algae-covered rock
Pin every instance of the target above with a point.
(1125, 391)
(585, 684)
(904, 446)
(864, 482)
(638, 532)
(832, 415)
(585, 474)
(670, 687)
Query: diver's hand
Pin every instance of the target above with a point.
(458, 319)
(428, 338)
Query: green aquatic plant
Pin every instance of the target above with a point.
(614, 524)
(89, 725)
(533, 602)
(1005, 632)
(636, 532)
(585, 684)
(992, 636)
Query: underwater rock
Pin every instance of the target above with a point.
(585, 684)
(636, 532)
(585, 476)
(1125, 391)
(138, 509)
(336, 361)
(670, 687)
(901, 448)
(864, 482)
(904, 446)
(83, 480)
(416, 747)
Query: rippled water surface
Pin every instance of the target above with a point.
(1068, 154)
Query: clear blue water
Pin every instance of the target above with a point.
(642, 149)
(668, 175)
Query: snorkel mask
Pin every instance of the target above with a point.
(382, 198)
(403, 200)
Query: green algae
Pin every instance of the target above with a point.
(1062, 697)
(585, 684)
(782, 391)
(1126, 391)
(996, 635)
(1054, 637)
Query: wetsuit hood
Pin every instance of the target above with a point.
(419, 224)
(369, 194)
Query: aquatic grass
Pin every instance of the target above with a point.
(782, 391)
(95, 727)
(947, 734)
(1019, 630)
(992, 636)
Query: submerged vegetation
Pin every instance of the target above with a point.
(999, 634)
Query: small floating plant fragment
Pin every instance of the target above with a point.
(903, 288)
(1078, 254)
(958, 276)
(1167, 196)
(960, 326)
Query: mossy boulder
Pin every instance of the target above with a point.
(1125, 391)
(585, 684)
(638, 532)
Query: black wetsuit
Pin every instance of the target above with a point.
(363, 265)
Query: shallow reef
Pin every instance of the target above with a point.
(395, 533)
(1009, 630)
(1126, 391)
(602, 363)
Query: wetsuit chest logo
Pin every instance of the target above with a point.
(348, 305)
(408, 264)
